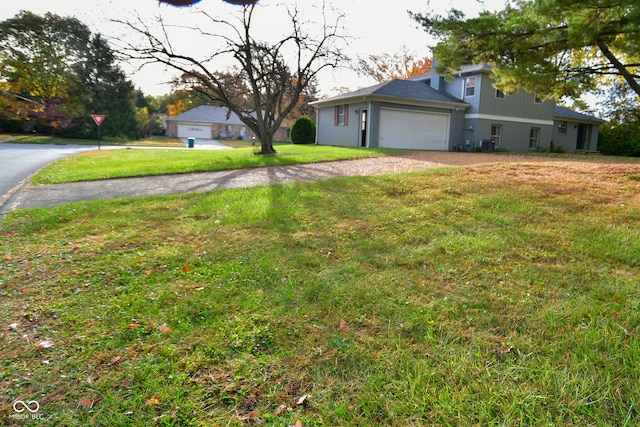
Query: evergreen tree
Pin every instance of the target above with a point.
(54, 69)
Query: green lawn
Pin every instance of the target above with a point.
(152, 141)
(108, 164)
(487, 295)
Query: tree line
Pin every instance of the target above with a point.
(55, 73)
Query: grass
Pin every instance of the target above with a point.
(446, 297)
(128, 163)
(152, 141)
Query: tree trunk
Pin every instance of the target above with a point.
(628, 77)
(264, 136)
(266, 144)
(267, 148)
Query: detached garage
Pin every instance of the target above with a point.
(413, 130)
(404, 114)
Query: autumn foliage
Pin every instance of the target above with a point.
(400, 65)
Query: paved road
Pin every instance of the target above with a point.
(18, 162)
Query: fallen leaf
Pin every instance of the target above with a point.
(279, 410)
(90, 324)
(344, 326)
(297, 424)
(164, 328)
(86, 403)
(45, 344)
(115, 359)
(302, 400)
(247, 417)
(151, 325)
(186, 269)
(174, 413)
(154, 400)
(126, 383)
(149, 272)
(13, 326)
(503, 350)
(133, 326)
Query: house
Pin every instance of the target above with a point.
(466, 113)
(211, 122)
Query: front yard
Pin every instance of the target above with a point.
(502, 294)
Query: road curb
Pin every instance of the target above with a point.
(7, 200)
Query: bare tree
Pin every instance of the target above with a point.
(265, 84)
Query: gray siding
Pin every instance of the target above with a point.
(519, 104)
(569, 138)
(328, 133)
(516, 114)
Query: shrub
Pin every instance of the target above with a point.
(620, 140)
(303, 131)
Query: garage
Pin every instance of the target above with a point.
(194, 130)
(410, 129)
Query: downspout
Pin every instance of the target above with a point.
(317, 125)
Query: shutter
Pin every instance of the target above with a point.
(346, 114)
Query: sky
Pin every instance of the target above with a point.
(373, 27)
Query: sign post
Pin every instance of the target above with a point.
(98, 119)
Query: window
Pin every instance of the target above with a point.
(227, 131)
(562, 127)
(534, 138)
(470, 86)
(341, 115)
(499, 94)
(496, 135)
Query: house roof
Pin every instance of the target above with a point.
(214, 114)
(406, 90)
(208, 114)
(565, 113)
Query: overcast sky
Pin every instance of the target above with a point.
(374, 27)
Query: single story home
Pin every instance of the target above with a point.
(213, 122)
(430, 113)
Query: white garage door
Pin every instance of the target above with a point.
(413, 130)
(193, 130)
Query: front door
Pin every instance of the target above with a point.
(584, 137)
(363, 128)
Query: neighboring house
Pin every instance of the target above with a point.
(209, 122)
(430, 113)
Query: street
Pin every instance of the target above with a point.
(19, 161)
